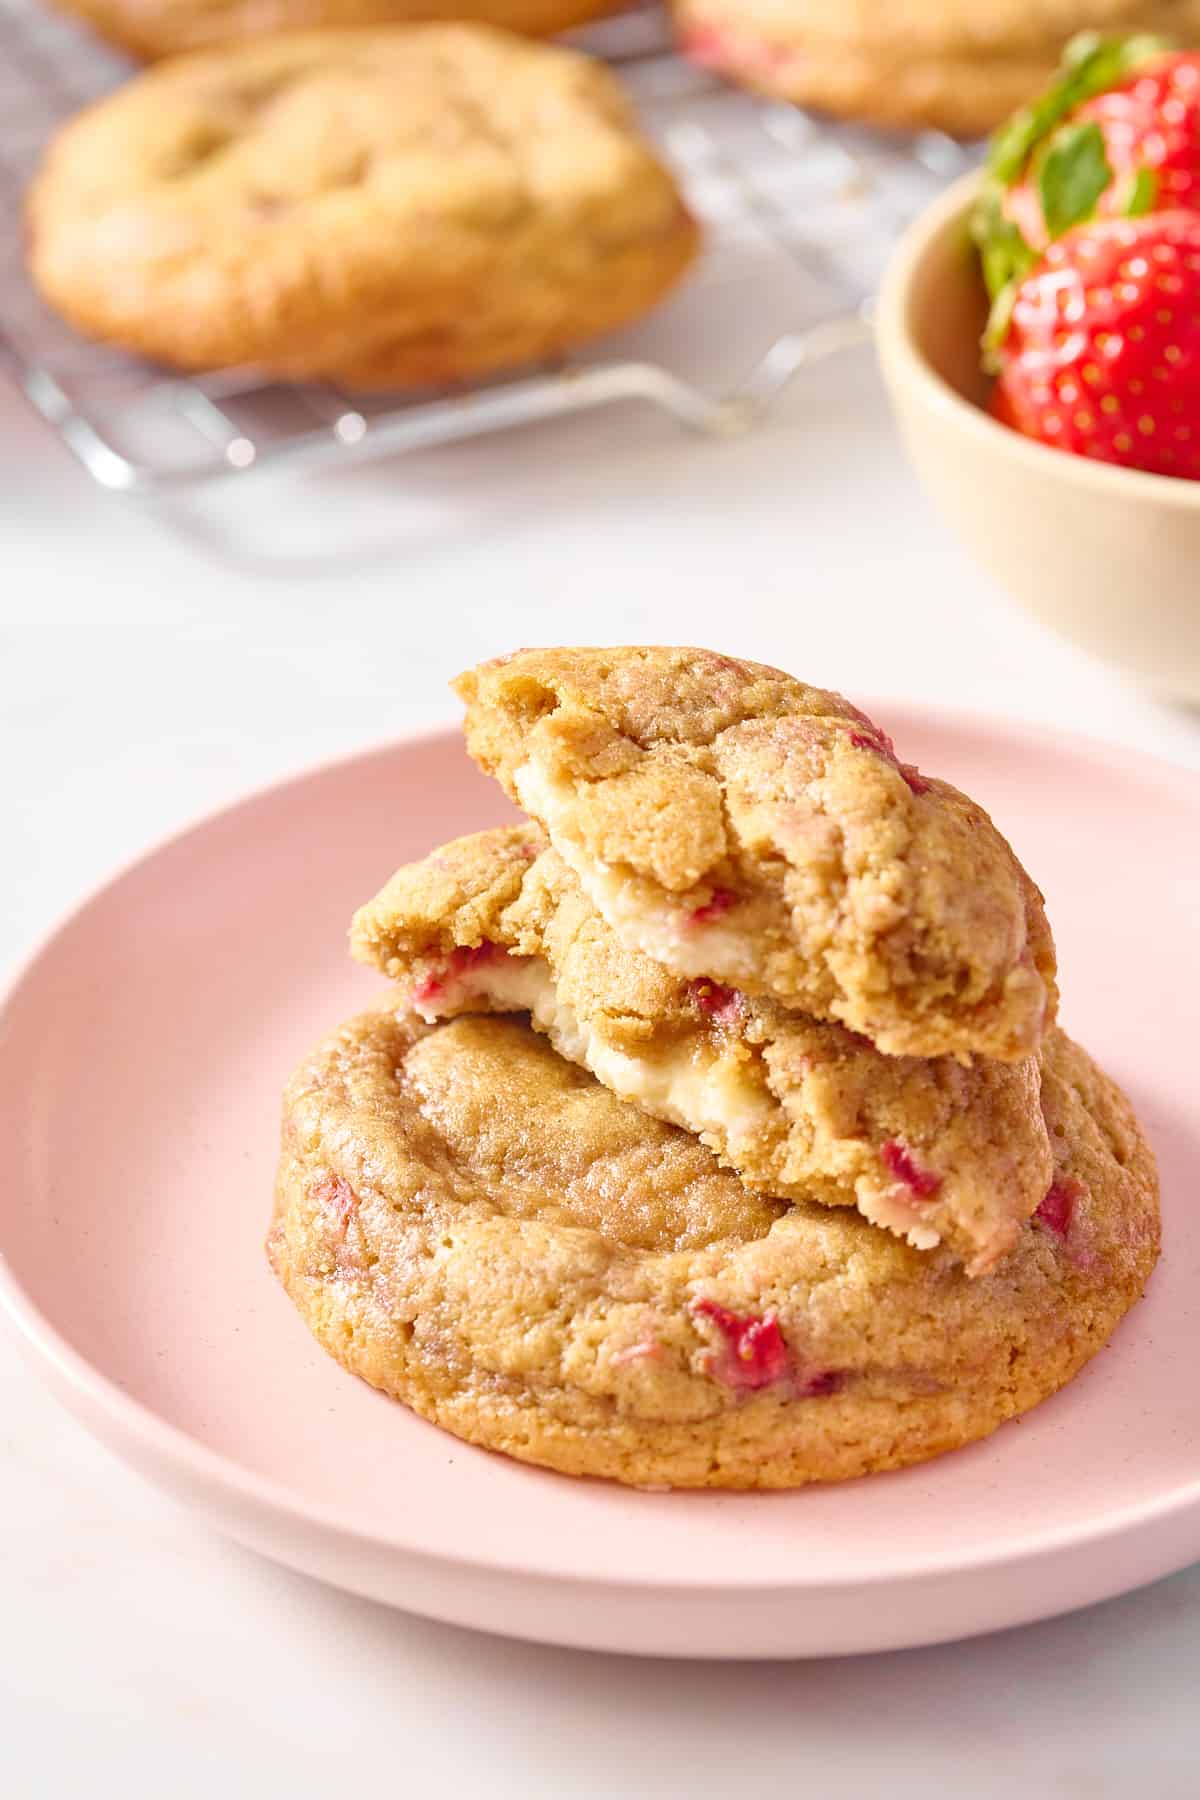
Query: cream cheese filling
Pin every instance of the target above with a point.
(691, 1085)
(633, 907)
(687, 1086)
(512, 983)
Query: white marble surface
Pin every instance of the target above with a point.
(155, 665)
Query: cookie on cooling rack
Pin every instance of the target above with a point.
(954, 65)
(934, 1150)
(481, 1230)
(390, 208)
(174, 27)
(737, 825)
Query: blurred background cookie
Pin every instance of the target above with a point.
(953, 65)
(384, 208)
(153, 28)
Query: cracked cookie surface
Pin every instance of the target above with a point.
(800, 1109)
(738, 825)
(481, 1230)
(385, 208)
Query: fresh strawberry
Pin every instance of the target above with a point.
(1127, 143)
(1100, 354)
(1150, 127)
(1117, 135)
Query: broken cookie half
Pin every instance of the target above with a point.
(738, 825)
(936, 1150)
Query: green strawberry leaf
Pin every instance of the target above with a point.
(1142, 194)
(1072, 173)
(1091, 64)
(1006, 259)
(1005, 255)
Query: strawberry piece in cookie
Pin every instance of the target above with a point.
(339, 1197)
(1057, 1210)
(901, 1163)
(721, 1003)
(750, 1351)
(721, 901)
(439, 989)
(878, 740)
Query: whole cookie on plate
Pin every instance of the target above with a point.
(383, 208)
(174, 27)
(481, 1230)
(800, 1109)
(956, 65)
(738, 825)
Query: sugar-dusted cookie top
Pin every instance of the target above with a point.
(737, 824)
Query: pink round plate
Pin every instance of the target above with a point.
(142, 1053)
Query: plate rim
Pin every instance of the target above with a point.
(89, 1394)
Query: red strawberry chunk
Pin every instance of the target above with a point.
(721, 1003)
(339, 1196)
(715, 907)
(903, 1166)
(1057, 1210)
(875, 740)
(914, 778)
(433, 986)
(752, 1353)
(878, 740)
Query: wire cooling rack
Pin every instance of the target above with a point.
(799, 217)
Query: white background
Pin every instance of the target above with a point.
(157, 662)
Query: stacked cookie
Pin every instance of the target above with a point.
(717, 1131)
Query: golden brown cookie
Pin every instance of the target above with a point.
(738, 825)
(386, 208)
(481, 1230)
(800, 1109)
(153, 28)
(955, 65)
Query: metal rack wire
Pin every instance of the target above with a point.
(799, 216)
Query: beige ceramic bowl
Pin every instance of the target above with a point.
(1105, 556)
